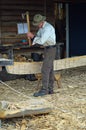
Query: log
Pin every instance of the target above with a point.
(23, 112)
(25, 108)
(35, 67)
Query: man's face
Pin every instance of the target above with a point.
(40, 25)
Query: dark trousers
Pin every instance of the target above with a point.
(47, 68)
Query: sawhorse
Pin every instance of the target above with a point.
(57, 78)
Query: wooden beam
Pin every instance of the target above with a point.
(23, 112)
(35, 67)
(30, 107)
(70, 62)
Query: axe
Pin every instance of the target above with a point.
(28, 23)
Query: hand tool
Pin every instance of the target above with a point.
(28, 23)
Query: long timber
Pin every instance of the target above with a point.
(35, 67)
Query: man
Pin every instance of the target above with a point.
(46, 37)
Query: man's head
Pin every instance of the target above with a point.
(38, 20)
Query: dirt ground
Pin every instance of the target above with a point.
(68, 103)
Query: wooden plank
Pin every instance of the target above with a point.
(15, 7)
(70, 62)
(29, 107)
(23, 112)
(21, 2)
(0, 68)
(35, 67)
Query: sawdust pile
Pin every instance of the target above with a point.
(68, 103)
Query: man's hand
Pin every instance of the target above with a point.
(30, 35)
(33, 43)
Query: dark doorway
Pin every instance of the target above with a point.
(77, 29)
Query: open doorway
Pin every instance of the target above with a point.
(77, 25)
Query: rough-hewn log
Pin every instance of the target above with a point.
(27, 108)
(35, 67)
(23, 112)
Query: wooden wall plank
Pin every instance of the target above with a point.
(11, 11)
(21, 1)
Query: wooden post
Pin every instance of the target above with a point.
(58, 80)
(0, 31)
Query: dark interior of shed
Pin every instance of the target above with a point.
(11, 16)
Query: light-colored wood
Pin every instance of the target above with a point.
(23, 112)
(28, 23)
(58, 80)
(23, 125)
(30, 107)
(35, 67)
(38, 76)
(56, 76)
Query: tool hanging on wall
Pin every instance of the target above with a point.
(28, 23)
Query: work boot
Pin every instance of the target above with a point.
(51, 92)
(42, 92)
